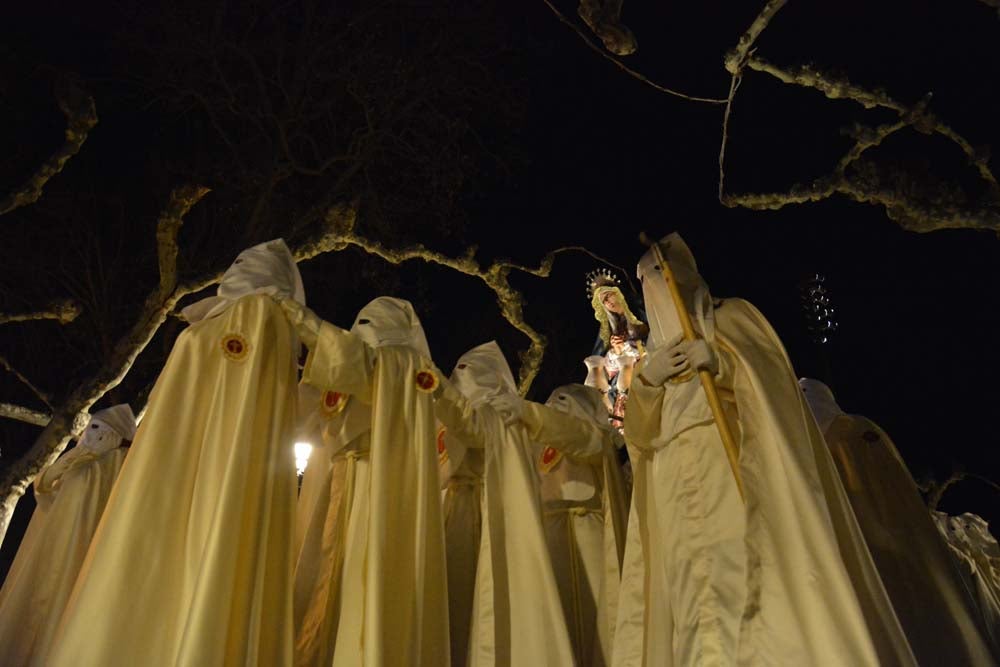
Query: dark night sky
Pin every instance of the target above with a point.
(607, 157)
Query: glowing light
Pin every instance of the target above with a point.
(302, 452)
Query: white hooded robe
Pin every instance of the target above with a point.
(390, 607)
(937, 612)
(783, 578)
(70, 496)
(192, 561)
(516, 612)
(585, 513)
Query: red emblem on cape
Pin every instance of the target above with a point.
(235, 347)
(333, 402)
(427, 381)
(549, 458)
(442, 449)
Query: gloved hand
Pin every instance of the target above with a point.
(510, 407)
(305, 322)
(665, 363)
(700, 355)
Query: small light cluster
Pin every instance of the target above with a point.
(817, 309)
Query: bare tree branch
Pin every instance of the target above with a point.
(734, 85)
(23, 414)
(62, 311)
(72, 413)
(935, 490)
(862, 182)
(734, 59)
(622, 66)
(840, 88)
(341, 234)
(39, 393)
(865, 184)
(604, 18)
(81, 117)
(995, 4)
(167, 228)
(908, 212)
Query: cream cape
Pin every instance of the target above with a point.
(191, 563)
(396, 596)
(516, 612)
(940, 618)
(70, 496)
(799, 584)
(585, 513)
(978, 556)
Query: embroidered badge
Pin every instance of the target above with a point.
(235, 347)
(442, 450)
(549, 458)
(427, 381)
(332, 402)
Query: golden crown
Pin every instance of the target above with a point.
(600, 278)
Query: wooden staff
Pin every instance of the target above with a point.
(707, 381)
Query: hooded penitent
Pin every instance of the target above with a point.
(585, 510)
(339, 428)
(70, 496)
(937, 612)
(192, 561)
(782, 577)
(516, 615)
(384, 539)
(461, 465)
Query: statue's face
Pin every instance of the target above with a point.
(612, 303)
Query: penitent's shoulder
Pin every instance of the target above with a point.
(252, 307)
(261, 302)
(740, 314)
(250, 322)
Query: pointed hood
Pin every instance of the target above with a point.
(390, 321)
(664, 323)
(482, 373)
(108, 428)
(821, 401)
(267, 268)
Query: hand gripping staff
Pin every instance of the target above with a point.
(707, 381)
